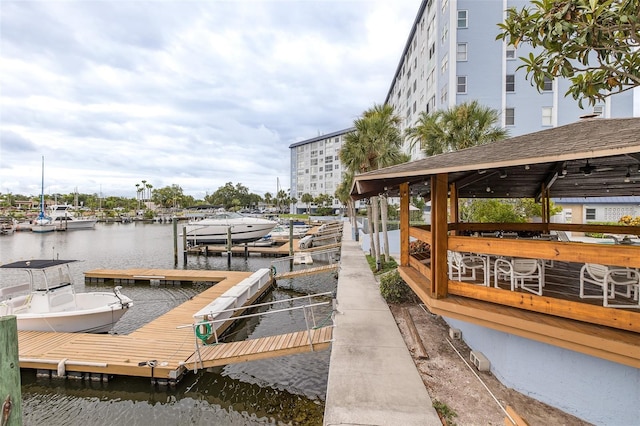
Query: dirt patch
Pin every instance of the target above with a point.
(453, 385)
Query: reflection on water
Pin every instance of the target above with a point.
(285, 390)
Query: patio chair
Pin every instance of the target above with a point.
(461, 264)
(524, 273)
(610, 279)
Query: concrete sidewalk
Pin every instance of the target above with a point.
(372, 377)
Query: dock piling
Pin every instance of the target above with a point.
(10, 372)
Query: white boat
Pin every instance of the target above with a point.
(214, 229)
(283, 232)
(43, 224)
(64, 219)
(48, 301)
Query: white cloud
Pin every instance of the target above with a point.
(189, 93)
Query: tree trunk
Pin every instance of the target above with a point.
(376, 229)
(384, 213)
(372, 248)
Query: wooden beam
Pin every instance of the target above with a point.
(616, 318)
(607, 254)
(439, 233)
(404, 224)
(453, 206)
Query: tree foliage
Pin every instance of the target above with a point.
(233, 197)
(593, 43)
(462, 126)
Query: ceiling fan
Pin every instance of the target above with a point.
(589, 168)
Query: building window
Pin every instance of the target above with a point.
(547, 116)
(463, 19)
(462, 84)
(511, 83)
(443, 95)
(598, 110)
(509, 116)
(511, 52)
(432, 50)
(445, 65)
(461, 52)
(445, 34)
(590, 213)
(548, 84)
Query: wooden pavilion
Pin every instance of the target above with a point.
(590, 158)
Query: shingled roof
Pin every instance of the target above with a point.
(589, 158)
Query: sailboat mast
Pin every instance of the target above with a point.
(41, 216)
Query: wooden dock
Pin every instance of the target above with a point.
(264, 347)
(159, 350)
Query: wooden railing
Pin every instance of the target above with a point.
(576, 252)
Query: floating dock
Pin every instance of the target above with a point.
(161, 350)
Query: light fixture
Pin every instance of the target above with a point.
(587, 168)
(503, 174)
(527, 167)
(627, 177)
(488, 189)
(481, 172)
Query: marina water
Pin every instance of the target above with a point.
(284, 390)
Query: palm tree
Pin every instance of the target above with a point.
(461, 126)
(375, 143)
(307, 199)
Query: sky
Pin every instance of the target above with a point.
(191, 93)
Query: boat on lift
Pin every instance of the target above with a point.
(47, 301)
(216, 228)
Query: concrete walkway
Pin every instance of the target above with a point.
(372, 377)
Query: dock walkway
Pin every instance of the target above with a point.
(160, 349)
(372, 377)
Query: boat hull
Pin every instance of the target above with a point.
(81, 312)
(63, 224)
(203, 233)
(43, 228)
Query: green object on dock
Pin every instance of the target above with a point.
(10, 393)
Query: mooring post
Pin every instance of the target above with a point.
(175, 241)
(184, 245)
(290, 237)
(229, 246)
(10, 393)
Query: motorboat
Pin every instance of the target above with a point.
(283, 231)
(64, 219)
(216, 228)
(48, 301)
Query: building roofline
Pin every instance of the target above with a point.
(322, 137)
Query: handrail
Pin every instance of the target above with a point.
(304, 308)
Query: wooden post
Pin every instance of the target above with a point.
(439, 236)
(184, 245)
(404, 224)
(10, 370)
(290, 237)
(175, 241)
(453, 202)
(229, 246)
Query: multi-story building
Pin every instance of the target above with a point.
(452, 56)
(316, 168)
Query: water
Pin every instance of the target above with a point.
(285, 390)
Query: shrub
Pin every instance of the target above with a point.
(394, 290)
